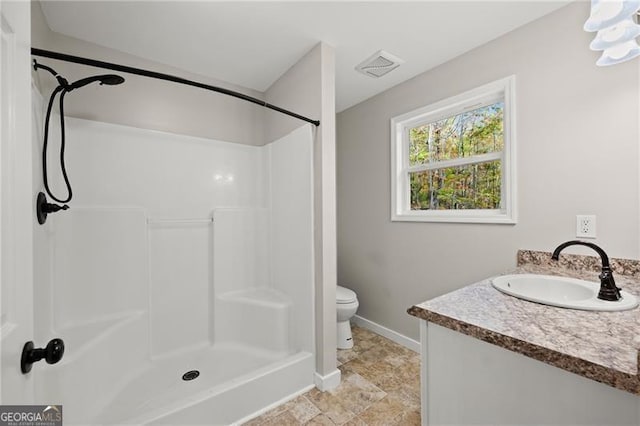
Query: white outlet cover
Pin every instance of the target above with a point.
(586, 226)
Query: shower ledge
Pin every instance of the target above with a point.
(259, 296)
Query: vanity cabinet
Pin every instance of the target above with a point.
(493, 359)
(465, 381)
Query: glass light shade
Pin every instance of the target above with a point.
(606, 13)
(619, 53)
(620, 33)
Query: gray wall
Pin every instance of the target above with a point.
(309, 89)
(143, 102)
(577, 153)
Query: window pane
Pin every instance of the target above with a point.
(474, 132)
(473, 186)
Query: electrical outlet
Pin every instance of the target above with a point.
(585, 226)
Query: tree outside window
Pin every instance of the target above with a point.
(453, 159)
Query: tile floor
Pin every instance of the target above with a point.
(380, 386)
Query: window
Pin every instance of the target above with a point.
(454, 161)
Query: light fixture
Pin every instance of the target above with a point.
(619, 33)
(616, 30)
(619, 53)
(605, 13)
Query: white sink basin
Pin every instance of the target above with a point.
(562, 292)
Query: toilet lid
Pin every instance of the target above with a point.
(344, 295)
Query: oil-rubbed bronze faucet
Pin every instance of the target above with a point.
(608, 288)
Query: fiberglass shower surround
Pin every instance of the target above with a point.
(43, 208)
(210, 279)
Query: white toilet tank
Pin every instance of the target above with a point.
(345, 295)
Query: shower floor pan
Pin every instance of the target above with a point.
(234, 382)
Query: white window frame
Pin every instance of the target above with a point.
(503, 89)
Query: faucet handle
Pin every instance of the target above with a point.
(608, 288)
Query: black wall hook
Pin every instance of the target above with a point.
(43, 208)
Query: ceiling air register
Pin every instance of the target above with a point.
(379, 64)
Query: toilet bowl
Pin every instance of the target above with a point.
(346, 307)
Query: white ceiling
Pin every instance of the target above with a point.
(252, 43)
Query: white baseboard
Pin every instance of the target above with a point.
(328, 382)
(394, 336)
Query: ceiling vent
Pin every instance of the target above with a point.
(379, 64)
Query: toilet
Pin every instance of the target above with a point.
(346, 307)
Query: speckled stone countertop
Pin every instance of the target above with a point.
(601, 346)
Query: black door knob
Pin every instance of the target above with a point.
(52, 353)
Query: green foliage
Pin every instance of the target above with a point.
(472, 186)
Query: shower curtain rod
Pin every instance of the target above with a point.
(166, 77)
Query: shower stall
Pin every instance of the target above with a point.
(181, 278)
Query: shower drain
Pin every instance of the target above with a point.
(190, 375)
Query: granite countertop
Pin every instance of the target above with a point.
(601, 346)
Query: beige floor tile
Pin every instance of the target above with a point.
(371, 370)
(383, 412)
(407, 396)
(363, 344)
(320, 420)
(331, 406)
(356, 421)
(356, 393)
(346, 355)
(408, 418)
(345, 371)
(376, 353)
(389, 382)
(284, 419)
(398, 360)
(361, 333)
(380, 385)
(410, 375)
(396, 378)
(254, 422)
(303, 410)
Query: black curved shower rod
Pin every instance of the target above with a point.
(166, 77)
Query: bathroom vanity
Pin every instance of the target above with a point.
(491, 358)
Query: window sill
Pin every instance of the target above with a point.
(489, 218)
